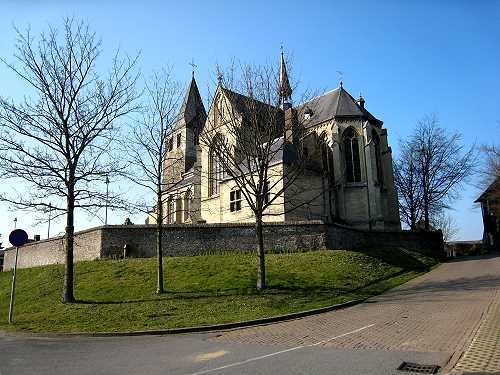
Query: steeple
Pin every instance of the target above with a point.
(285, 90)
(192, 106)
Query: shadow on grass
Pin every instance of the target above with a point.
(398, 257)
(341, 290)
(92, 302)
(285, 291)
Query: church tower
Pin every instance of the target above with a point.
(184, 138)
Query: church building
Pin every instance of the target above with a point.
(354, 185)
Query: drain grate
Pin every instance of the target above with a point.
(418, 368)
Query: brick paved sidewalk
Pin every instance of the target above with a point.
(483, 355)
(438, 312)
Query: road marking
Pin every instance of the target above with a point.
(208, 356)
(234, 364)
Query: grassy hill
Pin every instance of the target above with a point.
(118, 295)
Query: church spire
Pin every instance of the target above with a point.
(285, 90)
(192, 106)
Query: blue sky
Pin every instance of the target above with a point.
(407, 58)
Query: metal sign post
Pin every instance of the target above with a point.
(13, 288)
(17, 237)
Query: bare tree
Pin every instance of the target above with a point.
(57, 143)
(492, 156)
(256, 144)
(148, 150)
(490, 170)
(407, 182)
(447, 224)
(441, 165)
(444, 165)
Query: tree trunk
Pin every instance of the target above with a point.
(426, 210)
(261, 277)
(426, 218)
(413, 216)
(159, 238)
(68, 295)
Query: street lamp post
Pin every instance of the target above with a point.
(15, 222)
(48, 228)
(107, 196)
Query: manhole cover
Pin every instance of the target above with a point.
(418, 368)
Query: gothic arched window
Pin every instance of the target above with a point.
(214, 166)
(170, 210)
(378, 156)
(327, 160)
(178, 209)
(351, 155)
(187, 205)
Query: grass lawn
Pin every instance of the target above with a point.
(118, 295)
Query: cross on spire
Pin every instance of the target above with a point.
(193, 65)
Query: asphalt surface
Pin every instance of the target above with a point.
(430, 320)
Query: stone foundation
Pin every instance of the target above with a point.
(189, 240)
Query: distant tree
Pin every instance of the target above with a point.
(447, 224)
(490, 170)
(443, 163)
(57, 142)
(246, 138)
(436, 162)
(148, 150)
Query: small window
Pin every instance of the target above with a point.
(308, 113)
(267, 193)
(178, 140)
(170, 144)
(235, 200)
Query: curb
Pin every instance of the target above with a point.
(196, 329)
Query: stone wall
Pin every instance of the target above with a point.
(188, 240)
(464, 248)
(344, 237)
(178, 240)
(181, 240)
(51, 251)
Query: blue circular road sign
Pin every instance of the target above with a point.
(18, 237)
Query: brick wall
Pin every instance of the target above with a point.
(187, 240)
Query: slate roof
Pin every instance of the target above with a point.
(280, 152)
(283, 151)
(192, 105)
(188, 179)
(285, 89)
(337, 103)
(244, 104)
(492, 190)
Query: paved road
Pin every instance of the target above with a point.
(430, 320)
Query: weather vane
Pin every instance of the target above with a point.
(341, 77)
